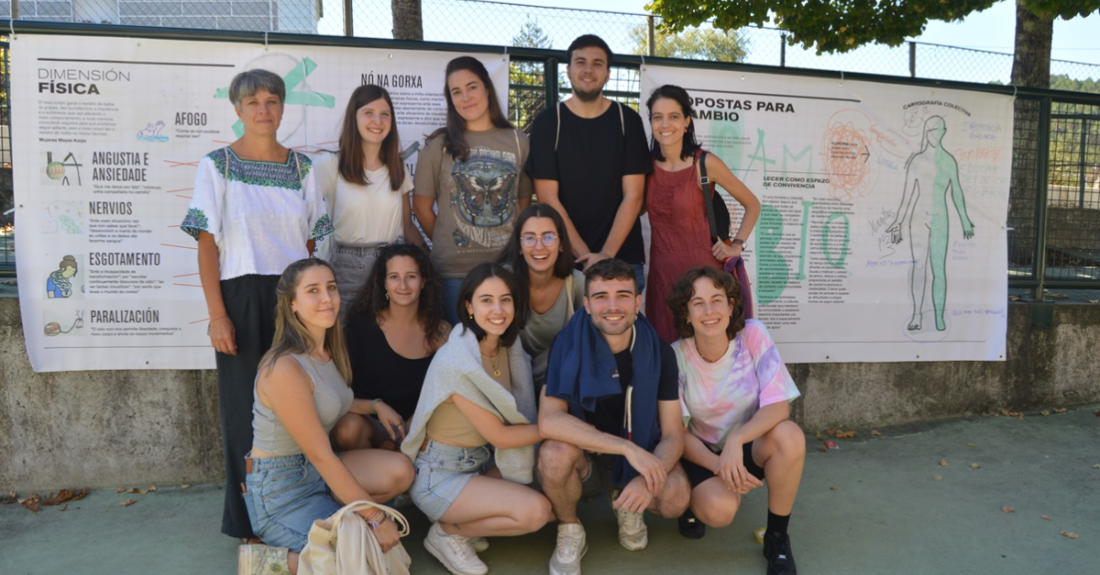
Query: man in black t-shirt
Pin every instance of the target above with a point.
(589, 159)
(611, 401)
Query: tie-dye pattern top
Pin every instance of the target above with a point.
(720, 397)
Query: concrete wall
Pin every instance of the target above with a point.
(115, 428)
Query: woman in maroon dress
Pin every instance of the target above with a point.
(681, 237)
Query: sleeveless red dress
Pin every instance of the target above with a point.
(679, 241)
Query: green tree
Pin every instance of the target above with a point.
(691, 44)
(526, 83)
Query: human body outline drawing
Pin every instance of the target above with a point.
(924, 216)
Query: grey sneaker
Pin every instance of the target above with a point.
(571, 547)
(633, 534)
(454, 552)
(479, 543)
(255, 559)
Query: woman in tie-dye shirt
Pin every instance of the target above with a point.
(735, 393)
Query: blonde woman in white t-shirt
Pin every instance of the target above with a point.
(366, 189)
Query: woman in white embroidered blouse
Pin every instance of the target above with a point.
(366, 189)
(255, 209)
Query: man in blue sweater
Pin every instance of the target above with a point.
(611, 414)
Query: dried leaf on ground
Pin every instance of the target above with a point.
(1008, 413)
(1008, 509)
(1044, 413)
(817, 434)
(1070, 535)
(975, 466)
(128, 502)
(10, 497)
(845, 434)
(1097, 466)
(1060, 410)
(80, 494)
(31, 502)
(1097, 413)
(132, 490)
(61, 497)
(831, 431)
(65, 507)
(1047, 517)
(120, 490)
(876, 432)
(185, 486)
(971, 445)
(944, 463)
(152, 488)
(937, 477)
(833, 488)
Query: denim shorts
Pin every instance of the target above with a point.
(284, 496)
(442, 472)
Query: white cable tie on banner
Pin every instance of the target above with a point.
(1014, 90)
(11, 28)
(265, 40)
(505, 57)
(643, 62)
(841, 78)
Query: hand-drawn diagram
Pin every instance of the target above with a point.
(56, 171)
(54, 329)
(151, 132)
(59, 283)
(64, 216)
(930, 175)
(846, 150)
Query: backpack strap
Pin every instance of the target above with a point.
(622, 120)
(557, 133)
(705, 186)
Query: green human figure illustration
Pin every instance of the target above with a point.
(929, 175)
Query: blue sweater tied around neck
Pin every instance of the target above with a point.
(582, 371)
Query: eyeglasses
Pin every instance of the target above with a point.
(549, 239)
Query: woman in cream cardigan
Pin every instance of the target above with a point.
(478, 397)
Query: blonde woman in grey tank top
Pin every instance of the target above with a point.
(301, 392)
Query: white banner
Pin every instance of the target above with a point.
(108, 134)
(863, 252)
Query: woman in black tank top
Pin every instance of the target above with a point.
(393, 329)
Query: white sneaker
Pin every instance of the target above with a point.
(479, 543)
(633, 534)
(571, 547)
(454, 552)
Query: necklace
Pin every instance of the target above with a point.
(494, 359)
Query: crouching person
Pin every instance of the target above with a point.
(302, 389)
(611, 414)
(478, 398)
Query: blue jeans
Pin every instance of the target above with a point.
(284, 496)
(442, 472)
(450, 299)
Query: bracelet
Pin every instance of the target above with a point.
(738, 241)
(375, 523)
(604, 254)
(372, 410)
(219, 317)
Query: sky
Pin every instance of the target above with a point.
(993, 29)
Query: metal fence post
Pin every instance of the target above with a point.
(1041, 193)
(1082, 163)
(912, 59)
(782, 50)
(652, 36)
(550, 73)
(349, 25)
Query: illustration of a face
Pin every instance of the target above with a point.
(68, 272)
(934, 129)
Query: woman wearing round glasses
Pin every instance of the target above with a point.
(555, 290)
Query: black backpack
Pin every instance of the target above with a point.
(718, 214)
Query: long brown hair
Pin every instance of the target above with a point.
(512, 254)
(454, 133)
(291, 336)
(352, 165)
(684, 289)
(372, 297)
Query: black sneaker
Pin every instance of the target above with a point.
(691, 527)
(777, 550)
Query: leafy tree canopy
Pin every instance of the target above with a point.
(843, 25)
(692, 44)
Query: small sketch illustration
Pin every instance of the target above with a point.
(53, 328)
(59, 284)
(63, 216)
(151, 132)
(846, 151)
(59, 170)
(930, 175)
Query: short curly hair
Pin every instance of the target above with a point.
(684, 289)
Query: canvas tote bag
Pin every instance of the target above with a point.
(344, 544)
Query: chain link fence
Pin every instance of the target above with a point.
(1055, 189)
(508, 24)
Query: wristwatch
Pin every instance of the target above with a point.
(738, 241)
